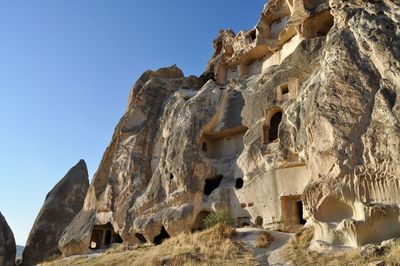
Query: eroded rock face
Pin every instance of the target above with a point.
(298, 122)
(7, 244)
(354, 199)
(62, 203)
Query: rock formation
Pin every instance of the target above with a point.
(295, 121)
(7, 244)
(62, 203)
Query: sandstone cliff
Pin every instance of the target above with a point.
(7, 244)
(62, 203)
(299, 122)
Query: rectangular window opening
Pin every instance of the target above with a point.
(204, 147)
(285, 89)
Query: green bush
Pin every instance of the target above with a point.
(218, 217)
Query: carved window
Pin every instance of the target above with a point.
(287, 91)
(204, 147)
(271, 126)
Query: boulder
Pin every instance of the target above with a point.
(7, 244)
(61, 205)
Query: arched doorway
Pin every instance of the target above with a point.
(212, 183)
(271, 125)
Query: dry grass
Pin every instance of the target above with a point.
(393, 256)
(211, 247)
(216, 247)
(284, 228)
(297, 253)
(263, 240)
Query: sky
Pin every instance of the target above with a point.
(66, 69)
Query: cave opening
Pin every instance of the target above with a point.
(96, 239)
(285, 89)
(141, 238)
(272, 122)
(161, 237)
(103, 236)
(212, 183)
(107, 240)
(292, 210)
(204, 147)
(218, 48)
(253, 35)
(243, 221)
(259, 221)
(118, 239)
(239, 183)
(199, 222)
(274, 126)
(317, 26)
(299, 205)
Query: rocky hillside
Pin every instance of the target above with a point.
(61, 205)
(19, 251)
(7, 243)
(294, 122)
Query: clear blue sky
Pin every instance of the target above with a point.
(66, 69)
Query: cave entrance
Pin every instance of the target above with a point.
(239, 183)
(318, 25)
(107, 240)
(299, 206)
(259, 221)
(253, 35)
(218, 47)
(103, 236)
(97, 237)
(274, 126)
(271, 126)
(278, 25)
(285, 89)
(141, 238)
(161, 237)
(292, 210)
(212, 183)
(199, 222)
(204, 147)
(243, 221)
(227, 143)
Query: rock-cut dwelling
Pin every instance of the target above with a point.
(103, 236)
(273, 130)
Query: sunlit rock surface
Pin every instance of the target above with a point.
(61, 205)
(295, 121)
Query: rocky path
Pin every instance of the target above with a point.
(266, 256)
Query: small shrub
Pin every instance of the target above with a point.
(226, 231)
(218, 217)
(283, 227)
(263, 240)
